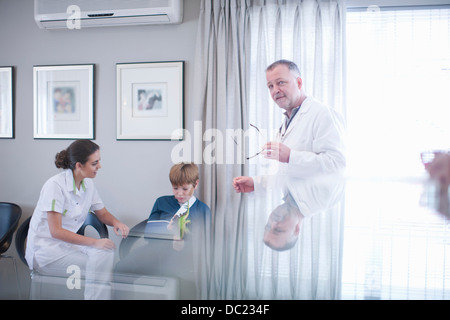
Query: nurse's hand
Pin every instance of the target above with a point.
(276, 151)
(121, 229)
(104, 244)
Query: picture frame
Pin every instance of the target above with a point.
(63, 102)
(6, 103)
(150, 100)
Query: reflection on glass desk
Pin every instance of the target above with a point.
(331, 238)
(396, 240)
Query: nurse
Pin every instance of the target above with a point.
(53, 244)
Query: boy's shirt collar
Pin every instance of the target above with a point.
(184, 206)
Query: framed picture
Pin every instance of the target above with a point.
(6, 103)
(64, 102)
(150, 99)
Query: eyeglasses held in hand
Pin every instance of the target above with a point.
(258, 153)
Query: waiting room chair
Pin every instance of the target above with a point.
(21, 237)
(92, 220)
(10, 214)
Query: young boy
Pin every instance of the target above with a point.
(186, 260)
(182, 209)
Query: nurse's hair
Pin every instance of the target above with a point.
(78, 151)
(184, 173)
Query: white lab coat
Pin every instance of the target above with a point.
(316, 139)
(315, 195)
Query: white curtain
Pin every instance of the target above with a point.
(237, 40)
(220, 88)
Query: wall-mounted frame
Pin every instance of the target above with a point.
(6, 103)
(150, 99)
(63, 102)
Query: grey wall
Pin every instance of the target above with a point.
(134, 173)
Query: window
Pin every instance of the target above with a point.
(398, 69)
(398, 106)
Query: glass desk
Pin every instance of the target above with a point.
(359, 239)
(396, 240)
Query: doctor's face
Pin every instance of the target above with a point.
(282, 227)
(284, 87)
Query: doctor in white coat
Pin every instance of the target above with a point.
(309, 142)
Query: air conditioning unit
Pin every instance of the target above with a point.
(75, 14)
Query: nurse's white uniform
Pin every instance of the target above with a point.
(51, 256)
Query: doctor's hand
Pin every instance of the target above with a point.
(243, 184)
(276, 151)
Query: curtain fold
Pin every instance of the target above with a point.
(236, 41)
(220, 90)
